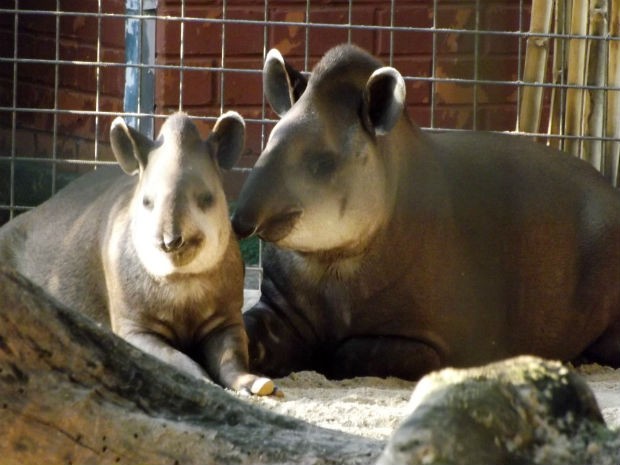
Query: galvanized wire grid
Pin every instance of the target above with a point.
(146, 15)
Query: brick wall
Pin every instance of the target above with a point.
(458, 104)
(497, 56)
(76, 83)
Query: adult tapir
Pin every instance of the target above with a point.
(153, 255)
(397, 251)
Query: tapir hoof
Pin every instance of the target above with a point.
(265, 387)
(257, 386)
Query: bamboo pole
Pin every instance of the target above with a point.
(612, 149)
(536, 55)
(558, 73)
(576, 75)
(596, 78)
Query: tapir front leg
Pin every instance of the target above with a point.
(381, 356)
(225, 356)
(276, 348)
(157, 346)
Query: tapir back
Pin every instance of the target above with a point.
(58, 245)
(540, 233)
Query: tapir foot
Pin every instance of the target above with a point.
(255, 385)
(606, 349)
(225, 356)
(381, 356)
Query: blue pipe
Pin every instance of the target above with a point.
(140, 50)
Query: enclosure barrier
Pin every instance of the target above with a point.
(550, 69)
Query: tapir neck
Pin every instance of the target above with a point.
(416, 181)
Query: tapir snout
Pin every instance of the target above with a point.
(172, 243)
(265, 209)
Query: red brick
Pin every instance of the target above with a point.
(31, 46)
(504, 16)
(245, 39)
(42, 74)
(6, 97)
(112, 80)
(113, 33)
(73, 50)
(113, 6)
(7, 21)
(36, 22)
(241, 88)
(322, 39)
(198, 87)
(498, 67)
(167, 87)
(201, 37)
(420, 114)
(498, 117)
(76, 78)
(33, 96)
(79, 27)
(288, 39)
(404, 42)
(454, 116)
(461, 17)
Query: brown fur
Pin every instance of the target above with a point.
(407, 251)
(184, 305)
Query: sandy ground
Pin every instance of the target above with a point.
(374, 407)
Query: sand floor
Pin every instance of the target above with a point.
(374, 407)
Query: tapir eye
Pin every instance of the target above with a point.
(204, 200)
(322, 165)
(147, 202)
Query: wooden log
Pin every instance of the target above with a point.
(71, 392)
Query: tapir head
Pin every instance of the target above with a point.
(179, 215)
(321, 182)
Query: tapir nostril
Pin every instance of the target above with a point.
(242, 227)
(172, 243)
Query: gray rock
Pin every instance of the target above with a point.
(524, 410)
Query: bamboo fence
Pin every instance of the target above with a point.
(584, 96)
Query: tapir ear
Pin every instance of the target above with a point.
(385, 100)
(282, 84)
(227, 139)
(130, 147)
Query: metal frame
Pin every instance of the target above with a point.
(142, 12)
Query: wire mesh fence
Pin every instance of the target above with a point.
(67, 68)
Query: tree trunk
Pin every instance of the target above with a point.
(73, 393)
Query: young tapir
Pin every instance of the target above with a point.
(152, 255)
(397, 251)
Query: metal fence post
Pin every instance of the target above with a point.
(140, 57)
